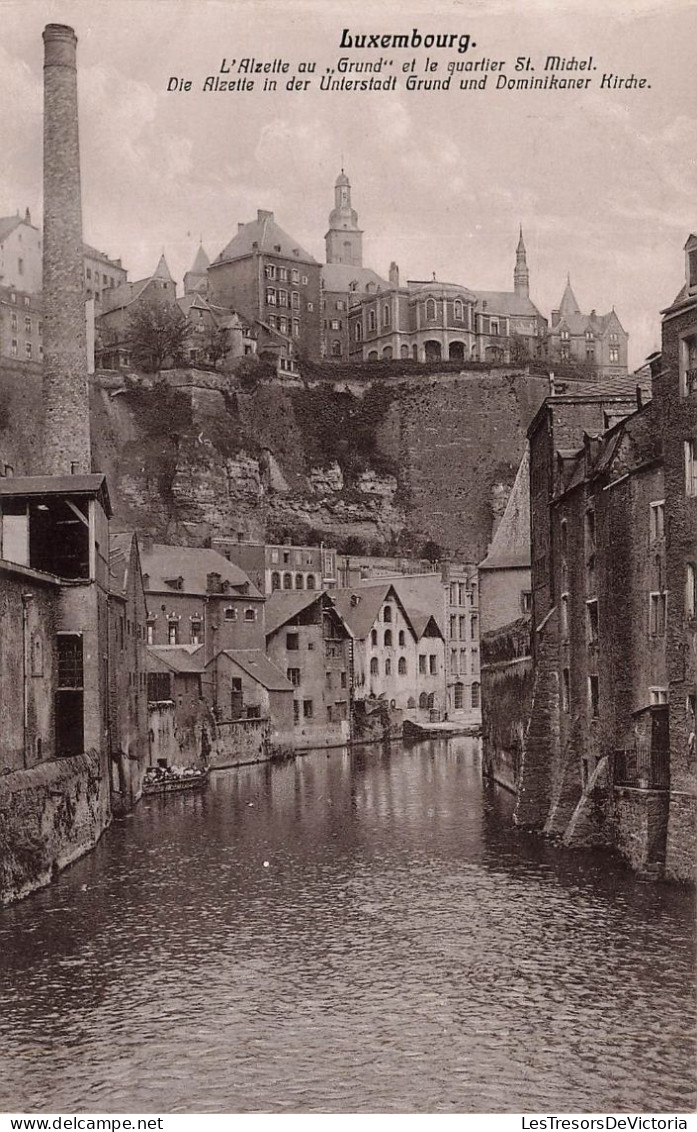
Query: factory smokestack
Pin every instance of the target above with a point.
(66, 437)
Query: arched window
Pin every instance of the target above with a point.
(690, 590)
(402, 666)
(299, 582)
(336, 349)
(459, 700)
(310, 581)
(373, 356)
(287, 581)
(374, 637)
(475, 695)
(431, 308)
(374, 666)
(372, 321)
(387, 640)
(404, 350)
(388, 667)
(457, 310)
(411, 702)
(387, 353)
(386, 315)
(387, 613)
(423, 700)
(275, 580)
(402, 639)
(358, 332)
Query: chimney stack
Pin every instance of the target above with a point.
(66, 439)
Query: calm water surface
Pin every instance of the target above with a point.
(404, 950)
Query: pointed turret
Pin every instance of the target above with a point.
(196, 278)
(344, 240)
(162, 270)
(521, 275)
(569, 303)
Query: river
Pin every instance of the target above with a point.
(346, 932)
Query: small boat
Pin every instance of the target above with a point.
(173, 779)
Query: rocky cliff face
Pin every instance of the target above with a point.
(384, 465)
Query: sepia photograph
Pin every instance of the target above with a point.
(348, 561)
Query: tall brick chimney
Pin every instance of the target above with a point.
(66, 436)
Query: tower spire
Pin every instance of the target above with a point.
(521, 275)
(344, 240)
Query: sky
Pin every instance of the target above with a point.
(604, 182)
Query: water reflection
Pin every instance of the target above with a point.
(405, 949)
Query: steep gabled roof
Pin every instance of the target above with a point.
(120, 547)
(423, 598)
(263, 235)
(257, 665)
(8, 225)
(507, 303)
(283, 605)
(510, 547)
(360, 606)
(178, 658)
(193, 565)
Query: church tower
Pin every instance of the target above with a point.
(344, 240)
(521, 275)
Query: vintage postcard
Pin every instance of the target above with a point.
(348, 559)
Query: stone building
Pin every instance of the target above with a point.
(21, 286)
(434, 321)
(596, 341)
(195, 596)
(600, 745)
(675, 397)
(344, 278)
(393, 660)
(128, 669)
(264, 275)
(462, 632)
(281, 566)
(117, 307)
(21, 325)
(308, 639)
(504, 575)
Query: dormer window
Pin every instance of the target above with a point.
(692, 269)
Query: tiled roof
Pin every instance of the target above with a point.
(201, 262)
(423, 597)
(179, 658)
(507, 303)
(192, 564)
(8, 225)
(360, 606)
(257, 665)
(340, 277)
(94, 253)
(119, 560)
(283, 605)
(510, 547)
(93, 484)
(264, 235)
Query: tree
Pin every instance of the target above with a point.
(156, 335)
(215, 345)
